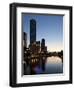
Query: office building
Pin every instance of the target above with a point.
(43, 47)
(32, 31)
(24, 39)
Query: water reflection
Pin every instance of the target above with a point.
(54, 65)
(50, 65)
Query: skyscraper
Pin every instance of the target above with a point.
(43, 42)
(32, 31)
(25, 39)
(43, 47)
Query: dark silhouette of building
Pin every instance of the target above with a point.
(32, 31)
(43, 47)
(37, 46)
(43, 43)
(25, 40)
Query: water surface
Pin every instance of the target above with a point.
(53, 65)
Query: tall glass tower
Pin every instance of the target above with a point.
(32, 31)
(25, 39)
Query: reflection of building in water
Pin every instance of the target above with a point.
(32, 31)
(33, 53)
(43, 47)
(24, 39)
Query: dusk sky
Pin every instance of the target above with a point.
(49, 27)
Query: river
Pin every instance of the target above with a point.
(50, 65)
(53, 65)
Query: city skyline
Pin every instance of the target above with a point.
(49, 27)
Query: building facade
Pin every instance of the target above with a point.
(35, 47)
(25, 39)
(43, 47)
(32, 31)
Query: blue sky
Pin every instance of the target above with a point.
(49, 27)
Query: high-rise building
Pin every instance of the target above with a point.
(35, 47)
(24, 39)
(32, 31)
(43, 47)
(43, 43)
